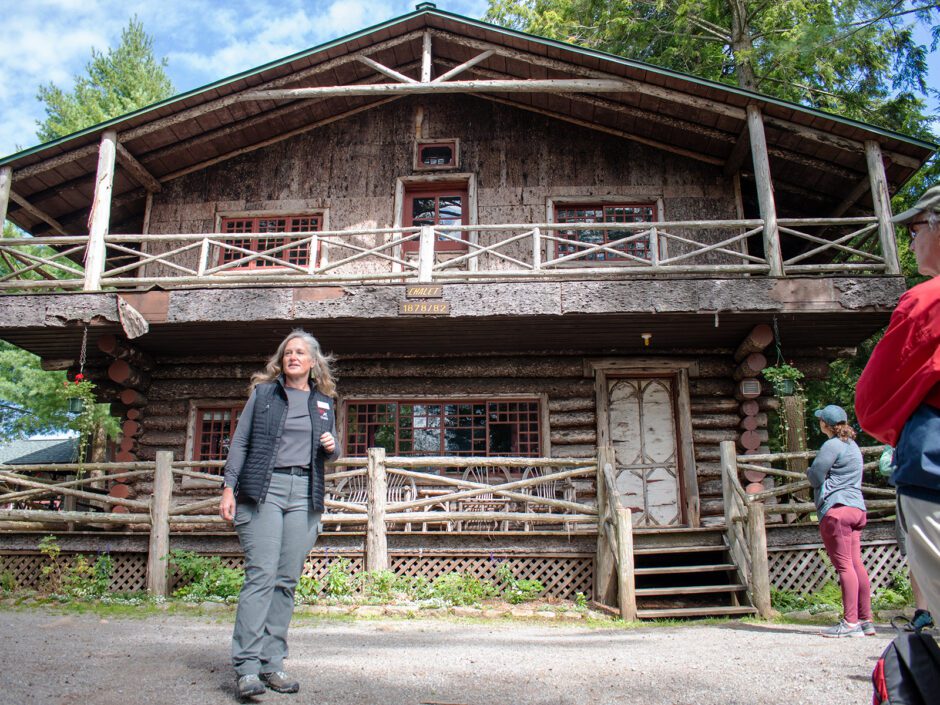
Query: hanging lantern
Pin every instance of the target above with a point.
(76, 405)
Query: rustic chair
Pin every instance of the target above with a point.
(355, 490)
(543, 490)
(484, 502)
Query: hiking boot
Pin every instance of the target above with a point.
(249, 685)
(921, 620)
(868, 629)
(843, 629)
(280, 682)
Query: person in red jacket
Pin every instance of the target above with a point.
(897, 399)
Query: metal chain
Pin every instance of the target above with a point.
(780, 359)
(81, 357)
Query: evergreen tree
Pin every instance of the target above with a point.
(115, 83)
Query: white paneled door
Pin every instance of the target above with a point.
(642, 419)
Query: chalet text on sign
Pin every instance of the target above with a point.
(423, 291)
(425, 308)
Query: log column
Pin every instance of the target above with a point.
(765, 190)
(882, 200)
(6, 181)
(100, 218)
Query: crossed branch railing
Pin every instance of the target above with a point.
(409, 254)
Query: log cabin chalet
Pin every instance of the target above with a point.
(515, 248)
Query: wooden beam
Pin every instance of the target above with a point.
(765, 190)
(36, 213)
(460, 68)
(882, 201)
(6, 181)
(137, 170)
(738, 154)
(608, 130)
(552, 85)
(276, 139)
(385, 70)
(426, 63)
(100, 218)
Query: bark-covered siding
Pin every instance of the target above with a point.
(519, 161)
(559, 380)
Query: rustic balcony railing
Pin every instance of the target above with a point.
(409, 254)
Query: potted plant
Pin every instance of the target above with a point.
(80, 397)
(784, 378)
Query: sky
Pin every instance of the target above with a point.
(203, 40)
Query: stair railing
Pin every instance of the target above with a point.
(615, 540)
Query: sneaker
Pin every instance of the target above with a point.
(843, 629)
(868, 629)
(921, 620)
(249, 685)
(280, 682)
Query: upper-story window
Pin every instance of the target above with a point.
(212, 434)
(252, 237)
(436, 154)
(436, 204)
(604, 213)
(423, 427)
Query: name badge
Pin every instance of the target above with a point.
(322, 404)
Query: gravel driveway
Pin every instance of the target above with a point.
(183, 660)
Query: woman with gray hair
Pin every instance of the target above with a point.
(273, 491)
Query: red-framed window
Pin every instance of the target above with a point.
(438, 205)
(215, 426)
(433, 427)
(252, 232)
(603, 213)
(435, 154)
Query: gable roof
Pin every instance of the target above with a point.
(39, 451)
(814, 155)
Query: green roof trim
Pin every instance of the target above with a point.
(430, 9)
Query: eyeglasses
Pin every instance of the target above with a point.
(912, 228)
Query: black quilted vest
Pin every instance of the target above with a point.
(267, 425)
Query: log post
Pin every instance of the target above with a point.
(626, 585)
(425, 254)
(6, 181)
(100, 218)
(760, 569)
(729, 470)
(765, 190)
(376, 539)
(157, 583)
(794, 414)
(604, 562)
(882, 200)
(536, 249)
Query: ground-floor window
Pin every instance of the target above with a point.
(604, 213)
(214, 428)
(423, 427)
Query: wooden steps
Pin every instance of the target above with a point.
(687, 574)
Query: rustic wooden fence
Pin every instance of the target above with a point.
(359, 494)
(747, 514)
(407, 254)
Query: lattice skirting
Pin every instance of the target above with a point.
(804, 569)
(562, 575)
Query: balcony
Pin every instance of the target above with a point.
(508, 252)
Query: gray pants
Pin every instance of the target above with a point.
(276, 537)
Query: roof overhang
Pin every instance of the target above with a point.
(816, 158)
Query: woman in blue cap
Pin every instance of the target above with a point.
(836, 478)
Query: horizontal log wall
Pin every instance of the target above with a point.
(519, 161)
(570, 396)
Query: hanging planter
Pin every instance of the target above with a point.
(76, 405)
(784, 378)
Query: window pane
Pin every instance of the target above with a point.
(423, 210)
(437, 155)
(451, 210)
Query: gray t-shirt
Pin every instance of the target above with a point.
(836, 476)
(294, 448)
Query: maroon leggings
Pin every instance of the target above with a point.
(841, 531)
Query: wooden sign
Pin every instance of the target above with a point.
(424, 291)
(424, 308)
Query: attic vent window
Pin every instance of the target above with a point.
(439, 154)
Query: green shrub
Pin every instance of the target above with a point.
(84, 579)
(308, 589)
(580, 600)
(204, 577)
(8, 582)
(339, 580)
(896, 595)
(515, 590)
(51, 572)
(463, 589)
(378, 585)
